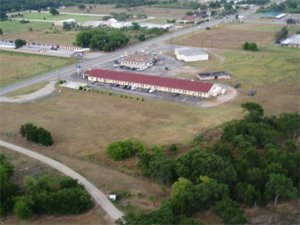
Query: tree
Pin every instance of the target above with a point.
(81, 7)
(230, 212)
(142, 37)
(20, 43)
(289, 125)
(1, 31)
(198, 163)
(183, 198)
(36, 134)
(254, 111)
(162, 170)
(282, 34)
(173, 148)
(53, 11)
(22, 209)
(136, 26)
(280, 186)
(3, 16)
(124, 149)
(246, 46)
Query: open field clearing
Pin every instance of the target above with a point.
(17, 66)
(48, 16)
(41, 33)
(230, 36)
(26, 166)
(150, 11)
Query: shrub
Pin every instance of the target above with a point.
(124, 149)
(22, 209)
(36, 134)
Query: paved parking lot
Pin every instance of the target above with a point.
(143, 92)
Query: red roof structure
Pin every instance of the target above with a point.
(167, 82)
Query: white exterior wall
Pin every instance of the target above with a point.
(191, 58)
(153, 87)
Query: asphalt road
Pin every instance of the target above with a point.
(98, 195)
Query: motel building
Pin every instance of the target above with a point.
(156, 83)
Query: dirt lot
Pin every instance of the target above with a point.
(230, 36)
(25, 166)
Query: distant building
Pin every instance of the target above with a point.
(190, 54)
(273, 15)
(292, 41)
(137, 61)
(61, 22)
(214, 75)
(189, 19)
(155, 83)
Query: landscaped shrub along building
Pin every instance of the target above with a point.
(157, 83)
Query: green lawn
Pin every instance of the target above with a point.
(17, 66)
(48, 16)
(16, 26)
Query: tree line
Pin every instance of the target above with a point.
(255, 161)
(52, 195)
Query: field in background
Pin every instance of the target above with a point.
(48, 16)
(41, 32)
(18, 66)
(229, 36)
(161, 14)
(27, 90)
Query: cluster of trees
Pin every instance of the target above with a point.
(255, 2)
(53, 11)
(288, 6)
(3, 16)
(36, 134)
(124, 149)
(103, 39)
(255, 161)
(252, 46)
(53, 195)
(281, 35)
(122, 16)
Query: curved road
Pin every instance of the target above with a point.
(98, 195)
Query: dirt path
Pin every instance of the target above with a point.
(47, 90)
(231, 93)
(98, 195)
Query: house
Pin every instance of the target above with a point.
(214, 75)
(155, 83)
(190, 54)
(292, 41)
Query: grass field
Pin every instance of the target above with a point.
(16, 66)
(150, 11)
(48, 16)
(230, 36)
(41, 33)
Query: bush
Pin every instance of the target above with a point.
(22, 209)
(124, 149)
(250, 46)
(36, 134)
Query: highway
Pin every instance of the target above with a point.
(99, 197)
(98, 61)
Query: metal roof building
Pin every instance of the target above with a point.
(164, 84)
(190, 54)
(292, 41)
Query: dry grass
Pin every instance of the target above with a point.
(150, 11)
(230, 36)
(27, 90)
(17, 66)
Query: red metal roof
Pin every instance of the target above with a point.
(151, 80)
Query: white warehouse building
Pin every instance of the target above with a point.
(189, 54)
